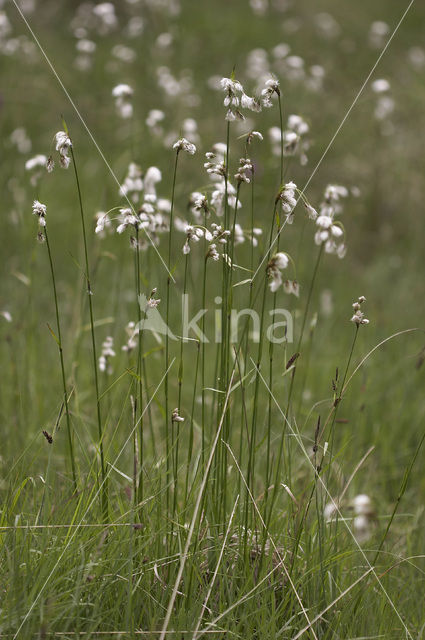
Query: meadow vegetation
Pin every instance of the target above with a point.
(211, 327)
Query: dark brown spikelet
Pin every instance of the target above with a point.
(291, 360)
(48, 437)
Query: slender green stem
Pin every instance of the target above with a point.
(65, 392)
(93, 340)
(167, 342)
(180, 384)
(300, 339)
(139, 405)
(252, 447)
(271, 345)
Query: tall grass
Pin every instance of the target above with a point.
(229, 487)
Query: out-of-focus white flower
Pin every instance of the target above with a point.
(334, 192)
(123, 53)
(362, 505)
(384, 107)
(133, 183)
(106, 18)
(123, 94)
(364, 517)
(362, 528)
(107, 353)
(416, 56)
(35, 162)
(36, 165)
(381, 85)
(6, 315)
(152, 176)
(131, 343)
(20, 139)
(329, 511)
(378, 33)
(153, 120)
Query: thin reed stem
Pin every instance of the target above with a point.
(167, 341)
(60, 348)
(93, 340)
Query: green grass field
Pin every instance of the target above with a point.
(265, 482)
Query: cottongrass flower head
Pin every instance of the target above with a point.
(175, 416)
(254, 135)
(214, 166)
(63, 145)
(198, 204)
(39, 210)
(276, 265)
(359, 317)
(244, 172)
(236, 98)
(127, 218)
(271, 88)
(329, 232)
(184, 145)
(153, 302)
(192, 234)
(213, 253)
(103, 222)
(152, 176)
(286, 197)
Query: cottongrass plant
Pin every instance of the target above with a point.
(231, 514)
